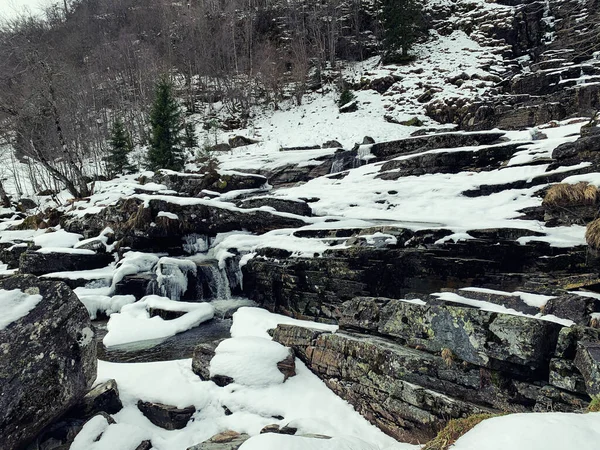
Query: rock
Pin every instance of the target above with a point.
(203, 353)
(58, 436)
(137, 224)
(241, 141)
(222, 380)
(223, 147)
(192, 185)
(287, 367)
(573, 307)
(145, 445)
(103, 398)
(25, 204)
(388, 150)
(36, 263)
(368, 140)
(228, 440)
(47, 360)
(11, 253)
(564, 375)
(587, 360)
(299, 148)
(332, 144)
(349, 107)
(166, 416)
(300, 208)
(276, 429)
(382, 84)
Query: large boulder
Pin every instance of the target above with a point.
(47, 356)
(38, 263)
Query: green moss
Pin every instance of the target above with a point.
(29, 223)
(414, 122)
(594, 405)
(454, 430)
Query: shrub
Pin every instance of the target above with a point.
(454, 430)
(594, 405)
(346, 97)
(564, 195)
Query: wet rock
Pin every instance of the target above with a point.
(228, 440)
(47, 360)
(166, 416)
(587, 360)
(103, 398)
(203, 353)
(36, 263)
(300, 208)
(241, 141)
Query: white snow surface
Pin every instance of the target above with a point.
(540, 431)
(133, 323)
(59, 238)
(15, 305)
(302, 400)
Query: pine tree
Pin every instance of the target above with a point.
(190, 136)
(117, 161)
(400, 20)
(165, 150)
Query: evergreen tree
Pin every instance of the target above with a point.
(165, 150)
(190, 136)
(117, 161)
(400, 20)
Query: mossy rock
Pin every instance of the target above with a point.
(414, 122)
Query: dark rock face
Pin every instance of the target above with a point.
(387, 150)
(203, 354)
(315, 288)
(192, 185)
(488, 158)
(240, 141)
(573, 307)
(140, 226)
(103, 398)
(166, 416)
(47, 362)
(298, 208)
(409, 390)
(37, 263)
(228, 440)
(587, 361)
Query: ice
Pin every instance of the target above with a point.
(172, 276)
(96, 304)
(15, 305)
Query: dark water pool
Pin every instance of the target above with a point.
(180, 346)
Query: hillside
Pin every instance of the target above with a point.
(416, 269)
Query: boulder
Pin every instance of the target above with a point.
(573, 307)
(332, 144)
(297, 207)
(228, 440)
(166, 416)
(36, 263)
(103, 398)
(587, 360)
(203, 353)
(240, 141)
(47, 360)
(192, 185)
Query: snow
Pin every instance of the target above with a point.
(252, 406)
(133, 323)
(58, 238)
(271, 441)
(492, 307)
(251, 361)
(71, 251)
(98, 435)
(105, 273)
(134, 263)
(541, 431)
(96, 304)
(15, 305)
(168, 215)
(535, 300)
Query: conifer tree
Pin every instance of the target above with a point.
(400, 20)
(165, 150)
(190, 136)
(117, 161)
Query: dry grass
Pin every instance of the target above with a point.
(592, 234)
(454, 430)
(594, 405)
(448, 356)
(564, 194)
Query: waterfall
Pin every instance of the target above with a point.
(195, 243)
(172, 277)
(212, 282)
(337, 165)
